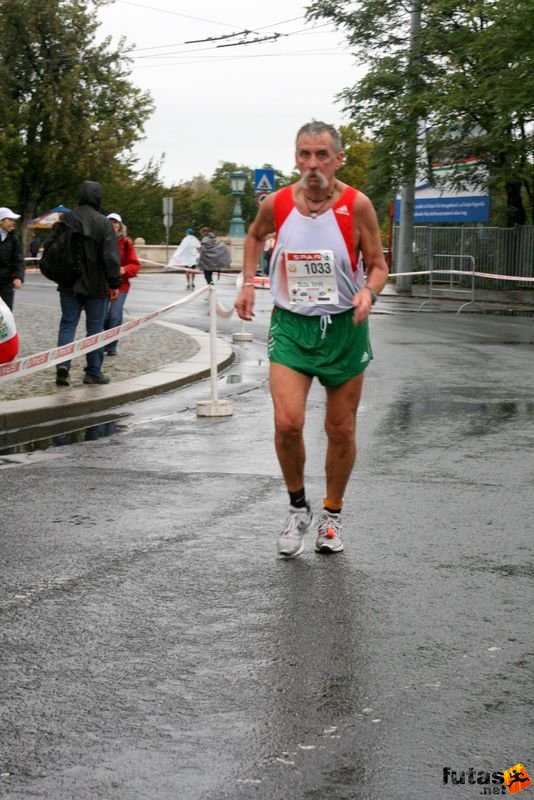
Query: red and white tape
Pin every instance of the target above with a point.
(467, 273)
(49, 358)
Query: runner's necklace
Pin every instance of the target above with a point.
(315, 211)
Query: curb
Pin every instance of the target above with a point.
(68, 403)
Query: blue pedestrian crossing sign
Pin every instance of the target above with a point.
(263, 181)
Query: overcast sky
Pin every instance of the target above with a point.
(241, 104)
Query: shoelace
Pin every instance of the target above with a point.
(294, 521)
(328, 528)
(326, 320)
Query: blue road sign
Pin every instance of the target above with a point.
(469, 208)
(264, 181)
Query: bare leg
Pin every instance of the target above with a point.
(289, 390)
(340, 427)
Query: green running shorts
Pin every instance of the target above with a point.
(329, 347)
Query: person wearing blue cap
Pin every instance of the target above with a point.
(186, 256)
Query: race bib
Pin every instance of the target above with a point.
(311, 277)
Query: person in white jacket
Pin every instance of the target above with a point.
(186, 256)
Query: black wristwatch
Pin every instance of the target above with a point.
(374, 296)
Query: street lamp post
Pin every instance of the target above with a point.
(237, 223)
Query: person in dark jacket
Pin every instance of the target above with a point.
(214, 255)
(11, 258)
(99, 278)
(35, 244)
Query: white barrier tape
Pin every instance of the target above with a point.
(49, 358)
(222, 312)
(467, 273)
(503, 277)
(181, 268)
(195, 271)
(156, 263)
(260, 281)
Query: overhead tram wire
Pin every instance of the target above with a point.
(217, 38)
(274, 37)
(244, 31)
(210, 38)
(144, 55)
(200, 19)
(328, 52)
(176, 13)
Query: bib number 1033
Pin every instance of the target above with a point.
(317, 267)
(311, 277)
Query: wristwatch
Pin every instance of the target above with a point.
(374, 296)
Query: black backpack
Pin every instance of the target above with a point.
(64, 253)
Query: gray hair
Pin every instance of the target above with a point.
(316, 127)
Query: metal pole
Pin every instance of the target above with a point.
(405, 257)
(405, 254)
(429, 246)
(213, 407)
(473, 280)
(213, 342)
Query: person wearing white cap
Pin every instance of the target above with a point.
(11, 257)
(129, 268)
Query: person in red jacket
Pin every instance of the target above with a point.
(129, 268)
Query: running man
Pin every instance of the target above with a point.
(319, 325)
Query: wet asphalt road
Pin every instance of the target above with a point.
(153, 647)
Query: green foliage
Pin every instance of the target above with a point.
(358, 151)
(137, 197)
(200, 202)
(468, 77)
(70, 111)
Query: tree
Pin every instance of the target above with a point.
(220, 181)
(69, 109)
(198, 202)
(357, 151)
(137, 197)
(468, 78)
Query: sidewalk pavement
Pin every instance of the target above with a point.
(159, 357)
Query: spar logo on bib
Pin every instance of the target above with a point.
(297, 259)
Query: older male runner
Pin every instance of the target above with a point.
(319, 326)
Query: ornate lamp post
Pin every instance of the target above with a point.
(237, 223)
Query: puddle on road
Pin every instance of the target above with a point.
(61, 434)
(478, 418)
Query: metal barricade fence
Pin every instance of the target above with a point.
(496, 251)
(451, 269)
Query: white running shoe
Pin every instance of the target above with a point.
(296, 526)
(329, 533)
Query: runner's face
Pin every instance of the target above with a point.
(315, 155)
